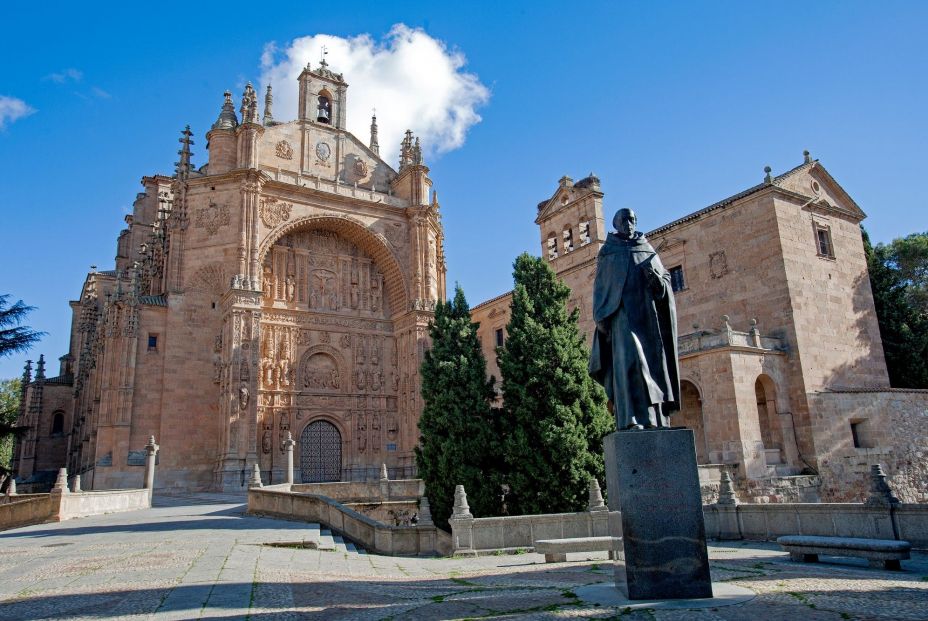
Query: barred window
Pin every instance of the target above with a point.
(676, 278)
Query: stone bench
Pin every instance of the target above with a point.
(883, 553)
(555, 550)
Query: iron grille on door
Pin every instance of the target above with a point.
(320, 453)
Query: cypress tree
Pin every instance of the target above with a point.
(457, 432)
(554, 414)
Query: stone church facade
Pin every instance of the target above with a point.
(284, 287)
(782, 370)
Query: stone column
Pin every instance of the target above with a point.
(151, 451)
(289, 444)
(425, 512)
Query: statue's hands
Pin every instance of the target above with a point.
(655, 281)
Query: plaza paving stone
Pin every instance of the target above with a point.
(199, 557)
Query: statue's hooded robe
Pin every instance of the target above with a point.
(634, 353)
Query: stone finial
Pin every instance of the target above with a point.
(268, 104)
(227, 118)
(755, 334)
(425, 512)
(384, 475)
(596, 497)
(76, 484)
(255, 480)
(27, 374)
(151, 448)
(461, 509)
(40, 368)
(61, 483)
(182, 166)
(374, 144)
(806, 157)
(249, 109)
(289, 442)
(11, 488)
(881, 495)
(726, 490)
(767, 178)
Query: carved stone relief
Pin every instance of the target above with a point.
(274, 212)
(320, 372)
(718, 264)
(284, 150)
(212, 218)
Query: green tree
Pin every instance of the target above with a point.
(10, 393)
(457, 428)
(15, 337)
(899, 281)
(554, 414)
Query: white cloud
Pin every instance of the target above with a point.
(68, 75)
(12, 109)
(414, 82)
(99, 92)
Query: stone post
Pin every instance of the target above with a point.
(881, 495)
(384, 482)
(726, 509)
(289, 444)
(425, 512)
(61, 484)
(76, 484)
(11, 489)
(151, 452)
(255, 480)
(596, 497)
(462, 523)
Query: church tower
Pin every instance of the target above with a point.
(323, 96)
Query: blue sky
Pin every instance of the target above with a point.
(673, 105)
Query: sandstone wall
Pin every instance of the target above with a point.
(892, 429)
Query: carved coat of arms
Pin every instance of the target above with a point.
(213, 217)
(273, 212)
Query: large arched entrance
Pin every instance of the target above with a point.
(320, 453)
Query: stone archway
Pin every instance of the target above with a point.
(691, 415)
(320, 453)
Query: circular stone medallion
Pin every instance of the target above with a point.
(323, 150)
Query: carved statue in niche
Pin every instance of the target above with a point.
(283, 359)
(392, 428)
(376, 291)
(266, 441)
(320, 372)
(291, 288)
(243, 396)
(324, 337)
(394, 380)
(355, 289)
(217, 359)
(362, 433)
(283, 429)
(267, 366)
(268, 278)
(359, 379)
(376, 379)
(345, 341)
(375, 433)
(376, 350)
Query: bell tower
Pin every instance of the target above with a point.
(323, 96)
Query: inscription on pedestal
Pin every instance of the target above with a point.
(657, 484)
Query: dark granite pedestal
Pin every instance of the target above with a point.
(653, 474)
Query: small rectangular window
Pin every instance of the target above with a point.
(500, 337)
(860, 433)
(391, 447)
(823, 241)
(152, 342)
(676, 278)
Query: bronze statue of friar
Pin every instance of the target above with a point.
(634, 353)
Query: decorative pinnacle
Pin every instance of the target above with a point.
(227, 118)
(40, 368)
(268, 103)
(767, 177)
(183, 165)
(374, 145)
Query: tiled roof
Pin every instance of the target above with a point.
(731, 199)
(66, 380)
(491, 300)
(865, 389)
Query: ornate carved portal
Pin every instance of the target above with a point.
(320, 453)
(328, 348)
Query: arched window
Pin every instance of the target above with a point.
(324, 110)
(552, 246)
(770, 432)
(691, 416)
(58, 423)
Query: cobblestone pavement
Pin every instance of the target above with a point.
(198, 557)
